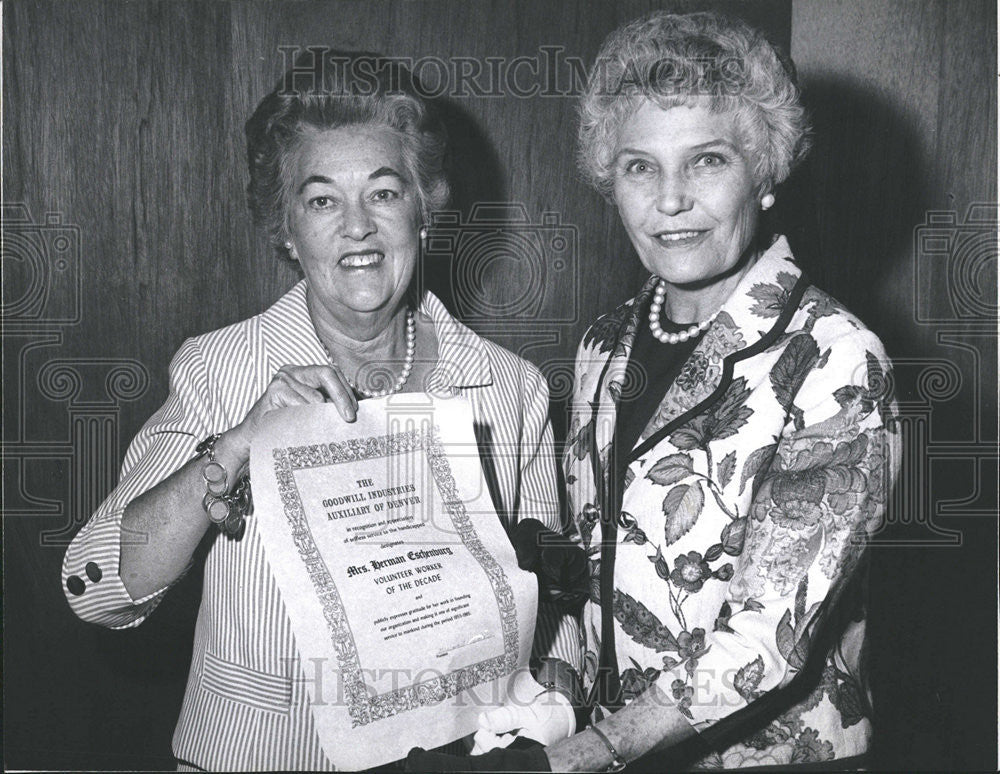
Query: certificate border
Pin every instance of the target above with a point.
(364, 707)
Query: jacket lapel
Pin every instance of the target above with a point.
(287, 336)
(604, 405)
(770, 290)
(462, 358)
(614, 375)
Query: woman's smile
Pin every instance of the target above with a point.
(362, 259)
(673, 240)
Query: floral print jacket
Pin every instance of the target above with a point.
(741, 518)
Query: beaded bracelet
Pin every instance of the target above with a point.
(226, 510)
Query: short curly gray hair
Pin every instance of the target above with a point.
(672, 59)
(342, 89)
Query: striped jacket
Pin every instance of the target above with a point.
(246, 704)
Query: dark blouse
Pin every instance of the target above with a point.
(656, 366)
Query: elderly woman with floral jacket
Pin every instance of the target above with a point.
(740, 515)
(723, 489)
(731, 441)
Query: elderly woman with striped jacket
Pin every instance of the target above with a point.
(340, 181)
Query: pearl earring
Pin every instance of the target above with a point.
(423, 232)
(767, 201)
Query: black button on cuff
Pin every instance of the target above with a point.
(75, 585)
(93, 572)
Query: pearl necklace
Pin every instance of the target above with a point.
(654, 320)
(411, 348)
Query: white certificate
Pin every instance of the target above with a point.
(402, 588)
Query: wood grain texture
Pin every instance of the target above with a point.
(127, 118)
(113, 120)
(904, 102)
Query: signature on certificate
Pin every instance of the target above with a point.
(471, 641)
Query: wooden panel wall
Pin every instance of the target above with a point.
(904, 101)
(126, 120)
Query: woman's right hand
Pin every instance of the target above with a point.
(297, 386)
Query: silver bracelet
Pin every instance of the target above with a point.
(617, 762)
(226, 510)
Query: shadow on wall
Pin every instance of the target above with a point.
(853, 214)
(851, 210)
(475, 175)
